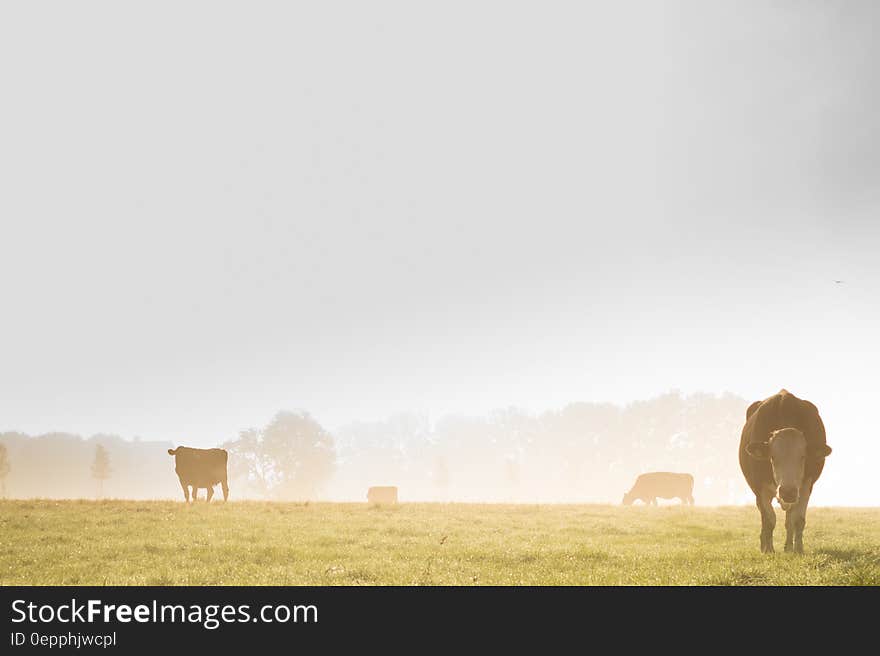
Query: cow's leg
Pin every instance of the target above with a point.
(195, 493)
(690, 499)
(789, 529)
(210, 493)
(185, 491)
(799, 516)
(225, 489)
(768, 521)
(653, 501)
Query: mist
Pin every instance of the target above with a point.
(585, 452)
(396, 220)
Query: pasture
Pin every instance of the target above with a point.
(44, 542)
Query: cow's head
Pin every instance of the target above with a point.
(628, 499)
(172, 452)
(787, 451)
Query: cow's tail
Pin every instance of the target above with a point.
(172, 452)
(224, 483)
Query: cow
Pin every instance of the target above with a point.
(387, 494)
(782, 452)
(666, 485)
(200, 468)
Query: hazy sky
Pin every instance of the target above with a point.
(210, 211)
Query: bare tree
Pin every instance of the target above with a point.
(101, 468)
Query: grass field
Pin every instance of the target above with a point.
(262, 543)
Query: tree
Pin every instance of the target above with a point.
(440, 472)
(249, 463)
(101, 468)
(440, 475)
(4, 469)
(291, 458)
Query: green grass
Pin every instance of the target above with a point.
(261, 543)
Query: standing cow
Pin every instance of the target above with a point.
(666, 485)
(781, 453)
(200, 468)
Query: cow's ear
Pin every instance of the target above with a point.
(751, 409)
(172, 452)
(758, 450)
(823, 451)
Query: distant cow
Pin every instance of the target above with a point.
(665, 485)
(200, 468)
(782, 453)
(387, 494)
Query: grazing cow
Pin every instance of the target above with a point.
(200, 468)
(386, 494)
(781, 453)
(665, 485)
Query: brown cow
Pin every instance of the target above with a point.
(666, 485)
(379, 494)
(782, 453)
(200, 468)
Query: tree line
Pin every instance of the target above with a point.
(584, 452)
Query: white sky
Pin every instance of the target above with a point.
(210, 211)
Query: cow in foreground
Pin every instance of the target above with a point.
(782, 453)
(380, 494)
(666, 485)
(200, 468)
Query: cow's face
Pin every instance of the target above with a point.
(628, 499)
(787, 451)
